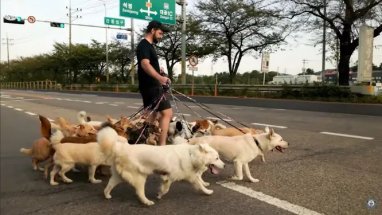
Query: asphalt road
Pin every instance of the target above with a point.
(333, 165)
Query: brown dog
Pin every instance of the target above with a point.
(41, 149)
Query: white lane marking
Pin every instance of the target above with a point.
(185, 114)
(18, 109)
(210, 117)
(278, 109)
(119, 102)
(85, 101)
(50, 120)
(100, 103)
(193, 106)
(115, 105)
(135, 107)
(59, 98)
(30, 113)
(10, 106)
(296, 209)
(269, 125)
(347, 135)
(2, 104)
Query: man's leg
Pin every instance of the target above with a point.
(164, 123)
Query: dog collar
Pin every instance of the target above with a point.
(258, 144)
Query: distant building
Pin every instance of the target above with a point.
(295, 79)
(330, 76)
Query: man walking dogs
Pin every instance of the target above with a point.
(150, 79)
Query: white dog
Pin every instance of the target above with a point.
(134, 163)
(243, 149)
(84, 119)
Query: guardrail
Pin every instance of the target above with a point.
(199, 89)
(38, 85)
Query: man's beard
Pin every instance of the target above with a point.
(155, 40)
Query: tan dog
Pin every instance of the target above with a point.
(67, 155)
(41, 149)
(74, 130)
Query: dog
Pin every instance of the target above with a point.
(204, 127)
(84, 119)
(74, 130)
(67, 155)
(234, 131)
(41, 149)
(179, 128)
(134, 163)
(243, 149)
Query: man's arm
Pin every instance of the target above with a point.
(146, 66)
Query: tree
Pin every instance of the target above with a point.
(120, 57)
(170, 47)
(344, 17)
(239, 27)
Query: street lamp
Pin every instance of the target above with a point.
(183, 4)
(107, 47)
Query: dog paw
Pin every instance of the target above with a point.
(206, 184)
(95, 181)
(107, 196)
(41, 169)
(68, 180)
(148, 203)
(254, 180)
(53, 183)
(209, 192)
(159, 196)
(236, 178)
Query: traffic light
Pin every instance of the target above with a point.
(57, 25)
(13, 20)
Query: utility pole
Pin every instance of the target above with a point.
(184, 18)
(70, 31)
(106, 47)
(132, 53)
(304, 61)
(7, 43)
(71, 20)
(323, 46)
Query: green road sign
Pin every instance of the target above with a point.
(114, 21)
(160, 10)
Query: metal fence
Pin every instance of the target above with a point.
(199, 89)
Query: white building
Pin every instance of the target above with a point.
(295, 79)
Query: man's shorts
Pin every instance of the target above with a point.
(151, 96)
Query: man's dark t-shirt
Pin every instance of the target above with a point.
(145, 50)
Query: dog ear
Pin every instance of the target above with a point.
(179, 125)
(195, 128)
(88, 119)
(214, 121)
(203, 147)
(267, 129)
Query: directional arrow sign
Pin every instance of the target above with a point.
(160, 10)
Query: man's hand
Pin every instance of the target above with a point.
(164, 80)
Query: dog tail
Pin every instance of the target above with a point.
(45, 127)
(56, 137)
(107, 137)
(26, 151)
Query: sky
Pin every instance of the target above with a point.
(38, 38)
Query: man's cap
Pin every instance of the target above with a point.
(157, 25)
